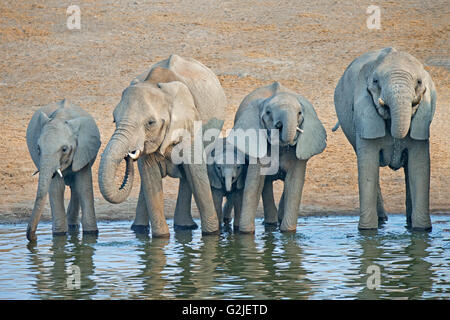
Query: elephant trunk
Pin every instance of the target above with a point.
(289, 129)
(45, 177)
(399, 99)
(228, 180)
(116, 151)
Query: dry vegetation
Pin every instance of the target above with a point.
(246, 43)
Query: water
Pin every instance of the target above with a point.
(326, 258)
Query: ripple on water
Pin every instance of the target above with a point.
(326, 258)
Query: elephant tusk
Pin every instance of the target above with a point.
(381, 102)
(299, 130)
(134, 155)
(59, 172)
(35, 173)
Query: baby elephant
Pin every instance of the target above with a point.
(63, 141)
(226, 172)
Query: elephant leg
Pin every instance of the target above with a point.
(419, 184)
(368, 177)
(182, 216)
(56, 196)
(408, 201)
(197, 177)
(382, 216)
(153, 193)
(237, 201)
(270, 210)
(217, 196)
(142, 218)
(83, 186)
(294, 181)
(227, 208)
(281, 207)
(73, 210)
(254, 183)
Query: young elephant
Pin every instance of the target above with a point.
(274, 109)
(385, 102)
(173, 97)
(226, 172)
(63, 141)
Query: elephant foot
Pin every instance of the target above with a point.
(177, 227)
(73, 227)
(59, 233)
(246, 231)
(211, 233)
(31, 235)
(270, 224)
(90, 232)
(288, 230)
(140, 229)
(420, 229)
(161, 235)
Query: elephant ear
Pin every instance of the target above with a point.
(39, 119)
(313, 139)
(421, 121)
(88, 141)
(368, 123)
(183, 113)
(246, 134)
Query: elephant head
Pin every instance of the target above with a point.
(394, 89)
(66, 138)
(226, 166)
(148, 118)
(276, 108)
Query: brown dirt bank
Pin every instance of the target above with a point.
(306, 46)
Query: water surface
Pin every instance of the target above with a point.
(327, 258)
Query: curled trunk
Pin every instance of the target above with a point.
(115, 152)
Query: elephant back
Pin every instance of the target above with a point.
(209, 96)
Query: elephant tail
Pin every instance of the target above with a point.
(336, 126)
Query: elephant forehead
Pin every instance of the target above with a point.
(139, 97)
(284, 100)
(55, 134)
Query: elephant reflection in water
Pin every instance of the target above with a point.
(65, 251)
(408, 280)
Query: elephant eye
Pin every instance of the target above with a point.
(65, 149)
(375, 81)
(419, 82)
(268, 112)
(151, 122)
(39, 150)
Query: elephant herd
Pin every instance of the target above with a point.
(169, 120)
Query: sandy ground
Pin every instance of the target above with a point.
(306, 46)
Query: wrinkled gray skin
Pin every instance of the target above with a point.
(385, 102)
(65, 137)
(274, 107)
(171, 96)
(226, 172)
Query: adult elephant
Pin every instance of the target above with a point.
(385, 102)
(63, 141)
(276, 109)
(174, 94)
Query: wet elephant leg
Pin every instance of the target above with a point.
(382, 216)
(217, 196)
(270, 210)
(56, 196)
(83, 186)
(73, 211)
(182, 216)
(295, 178)
(408, 201)
(141, 222)
(281, 206)
(254, 183)
(153, 193)
(419, 183)
(237, 201)
(368, 177)
(227, 208)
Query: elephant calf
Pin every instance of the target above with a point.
(226, 172)
(275, 109)
(63, 141)
(385, 102)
